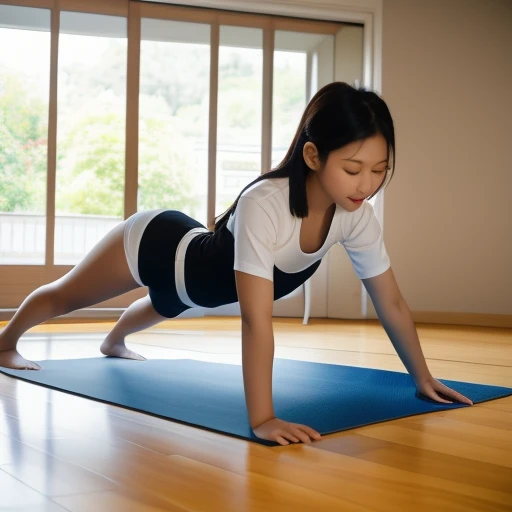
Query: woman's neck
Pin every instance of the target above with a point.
(318, 201)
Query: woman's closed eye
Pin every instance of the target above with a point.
(355, 173)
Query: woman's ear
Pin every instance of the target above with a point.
(310, 154)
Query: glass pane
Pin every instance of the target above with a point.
(24, 93)
(239, 112)
(173, 117)
(303, 64)
(90, 132)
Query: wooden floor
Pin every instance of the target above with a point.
(62, 452)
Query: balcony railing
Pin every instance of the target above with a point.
(23, 240)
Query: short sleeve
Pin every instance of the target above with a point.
(365, 245)
(255, 239)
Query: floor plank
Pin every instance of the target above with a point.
(49, 475)
(123, 500)
(16, 496)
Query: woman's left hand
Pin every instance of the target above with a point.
(432, 388)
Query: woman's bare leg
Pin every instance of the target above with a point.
(101, 275)
(139, 316)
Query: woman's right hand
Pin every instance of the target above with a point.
(283, 432)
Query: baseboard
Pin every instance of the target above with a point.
(473, 319)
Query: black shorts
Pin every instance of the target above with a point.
(156, 259)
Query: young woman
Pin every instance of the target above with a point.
(267, 244)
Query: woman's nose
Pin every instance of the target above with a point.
(365, 184)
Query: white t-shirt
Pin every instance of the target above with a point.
(267, 234)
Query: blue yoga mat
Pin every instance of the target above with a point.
(327, 397)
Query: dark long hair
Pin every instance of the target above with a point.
(337, 115)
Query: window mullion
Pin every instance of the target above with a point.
(52, 140)
(266, 111)
(132, 112)
(212, 129)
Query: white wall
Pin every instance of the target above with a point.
(447, 78)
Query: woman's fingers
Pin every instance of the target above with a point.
(290, 436)
(441, 393)
(281, 440)
(313, 434)
(434, 396)
(294, 435)
(302, 435)
(298, 433)
(455, 395)
(285, 432)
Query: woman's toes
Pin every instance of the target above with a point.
(120, 350)
(134, 355)
(12, 359)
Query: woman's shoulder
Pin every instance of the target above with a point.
(362, 223)
(269, 196)
(272, 188)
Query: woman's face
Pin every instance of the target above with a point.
(354, 171)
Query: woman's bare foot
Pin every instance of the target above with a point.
(116, 348)
(12, 359)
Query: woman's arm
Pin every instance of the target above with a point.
(397, 321)
(257, 362)
(256, 297)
